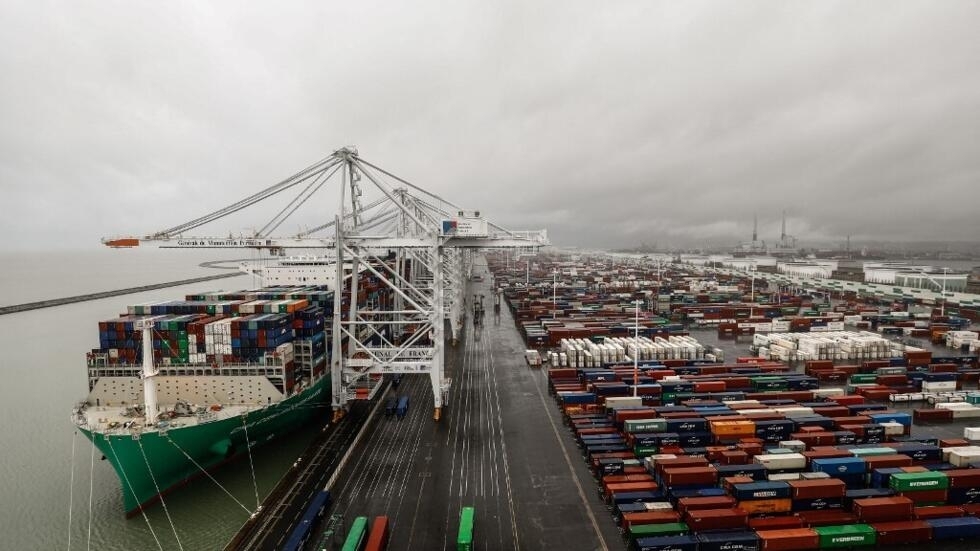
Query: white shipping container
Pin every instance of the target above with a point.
(971, 433)
(893, 429)
(775, 462)
(616, 402)
(963, 457)
(938, 386)
(795, 445)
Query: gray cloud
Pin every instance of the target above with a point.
(607, 124)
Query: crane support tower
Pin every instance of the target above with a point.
(410, 241)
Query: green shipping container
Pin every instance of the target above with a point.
(645, 425)
(863, 378)
(655, 530)
(848, 535)
(910, 482)
(644, 451)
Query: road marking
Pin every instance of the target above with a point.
(571, 469)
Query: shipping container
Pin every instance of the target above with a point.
(795, 539)
(853, 535)
(896, 533)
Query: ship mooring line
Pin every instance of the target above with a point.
(159, 493)
(71, 485)
(132, 491)
(248, 446)
(207, 474)
(91, 491)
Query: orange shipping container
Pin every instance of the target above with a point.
(766, 506)
(732, 429)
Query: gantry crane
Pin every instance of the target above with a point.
(411, 241)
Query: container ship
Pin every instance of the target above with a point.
(178, 388)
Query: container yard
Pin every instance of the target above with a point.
(716, 413)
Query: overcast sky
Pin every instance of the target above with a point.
(607, 123)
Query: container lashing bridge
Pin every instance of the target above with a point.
(411, 242)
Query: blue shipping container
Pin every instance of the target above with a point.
(729, 541)
(839, 466)
(954, 528)
(762, 490)
(668, 543)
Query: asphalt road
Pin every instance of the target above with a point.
(500, 447)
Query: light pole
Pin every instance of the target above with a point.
(554, 290)
(636, 347)
(942, 308)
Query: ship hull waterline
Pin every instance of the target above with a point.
(158, 462)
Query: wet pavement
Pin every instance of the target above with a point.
(500, 447)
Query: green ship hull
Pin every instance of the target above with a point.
(157, 462)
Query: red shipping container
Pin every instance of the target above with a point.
(824, 454)
(819, 488)
(710, 386)
(910, 531)
(794, 539)
(953, 442)
(886, 461)
(775, 523)
(826, 518)
(649, 517)
(849, 400)
(850, 420)
(684, 476)
(832, 411)
(971, 509)
(687, 504)
(738, 457)
(943, 511)
(963, 478)
(883, 509)
(681, 461)
(730, 481)
(716, 519)
(932, 415)
(926, 496)
(751, 448)
(714, 452)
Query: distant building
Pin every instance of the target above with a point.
(935, 281)
(917, 277)
(849, 271)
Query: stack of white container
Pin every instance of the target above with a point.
(585, 353)
(835, 345)
(217, 337)
(958, 339)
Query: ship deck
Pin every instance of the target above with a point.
(100, 419)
